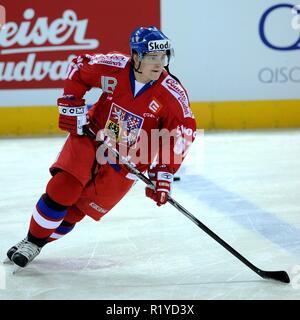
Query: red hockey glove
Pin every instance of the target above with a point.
(162, 180)
(72, 114)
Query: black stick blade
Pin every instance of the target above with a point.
(281, 276)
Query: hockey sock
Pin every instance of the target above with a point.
(73, 216)
(62, 191)
(64, 228)
(47, 216)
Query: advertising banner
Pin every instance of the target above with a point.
(40, 38)
(234, 50)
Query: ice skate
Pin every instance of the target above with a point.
(12, 250)
(26, 252)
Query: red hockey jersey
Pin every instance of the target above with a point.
(156, 122)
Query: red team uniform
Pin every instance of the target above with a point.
(163, 104)
(128, 112)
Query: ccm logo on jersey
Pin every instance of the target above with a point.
(149, 115)
(69, 111)
(97, 207)
(159, 45)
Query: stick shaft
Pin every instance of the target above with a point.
(179, 207)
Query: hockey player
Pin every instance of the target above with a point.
(138, 91)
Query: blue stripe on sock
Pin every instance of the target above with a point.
(64, 230)
(50, 213)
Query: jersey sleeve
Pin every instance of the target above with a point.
(178, 123)
(86, 71)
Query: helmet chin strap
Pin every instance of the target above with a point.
(167, 69)
(138, 67)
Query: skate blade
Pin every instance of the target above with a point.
(16, 269)
(7, 261)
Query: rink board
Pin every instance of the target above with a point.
(42, 120)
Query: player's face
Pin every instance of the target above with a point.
(152, 66)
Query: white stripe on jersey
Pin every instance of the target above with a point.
(110, 59)
(178, 92)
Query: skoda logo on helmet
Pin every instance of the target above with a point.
(159, 45)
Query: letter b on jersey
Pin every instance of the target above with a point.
(108, 84)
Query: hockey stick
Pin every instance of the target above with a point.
(281, 276)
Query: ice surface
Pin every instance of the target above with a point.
(245, 186)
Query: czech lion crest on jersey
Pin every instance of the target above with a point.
(123, 125)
